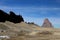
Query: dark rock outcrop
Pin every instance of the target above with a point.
(15, 18)
(3, 16)
(12, 17)
(47, 23)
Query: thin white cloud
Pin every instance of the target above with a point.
(38, 8)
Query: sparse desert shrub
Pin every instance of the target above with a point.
(3, 27)
(22, 33)
(30, 22)
(46, 33)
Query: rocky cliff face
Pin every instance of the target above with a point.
(12, 17)
(47, 23)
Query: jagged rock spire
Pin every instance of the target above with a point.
(47, 23)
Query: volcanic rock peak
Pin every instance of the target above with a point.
(47, 23)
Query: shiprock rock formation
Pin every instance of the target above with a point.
(12, 17)
(47, 23)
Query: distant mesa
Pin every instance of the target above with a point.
(12, 17)
(47, 23)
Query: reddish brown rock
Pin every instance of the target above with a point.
(47, 23)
